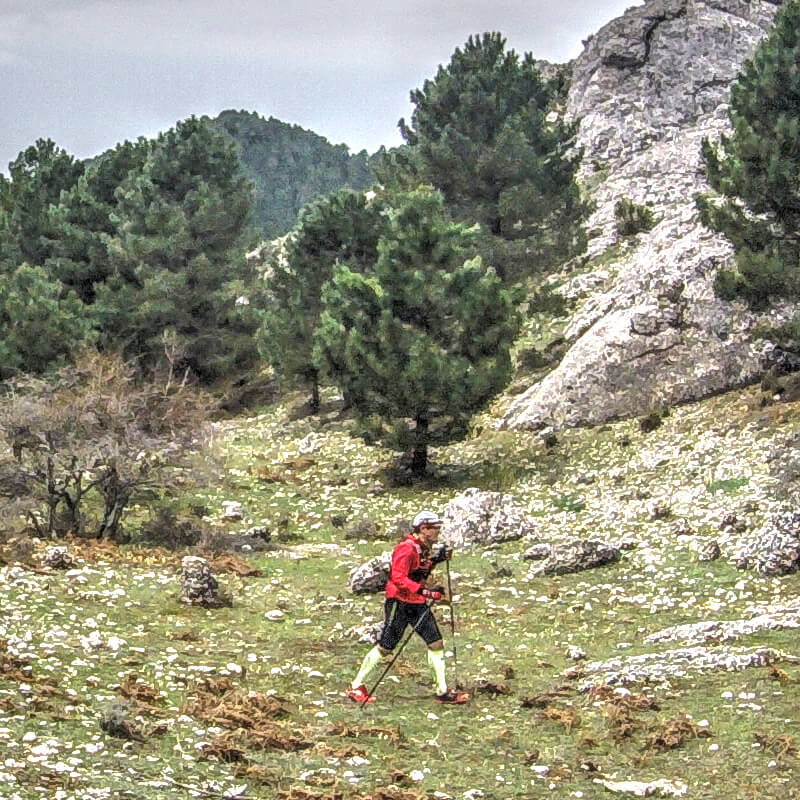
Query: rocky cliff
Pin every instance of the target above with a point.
(648, 331)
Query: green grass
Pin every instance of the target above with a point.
(726, 485)
(511, 642)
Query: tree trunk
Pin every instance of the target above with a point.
(115, 497)
(315, 401)
(419, 461)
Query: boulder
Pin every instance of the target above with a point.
(198, 586)
(57, 558)
(371, 576)
(475, 517)
(773, 549)
(575, 556)
(709, 551)
(537, 552)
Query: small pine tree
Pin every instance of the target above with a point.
(422, 343)
(342, 227)
(756, 170)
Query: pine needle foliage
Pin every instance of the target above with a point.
(755, 171)
(422, 343)
(343, 227)
(482, 133)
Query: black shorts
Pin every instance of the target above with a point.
(397, 615)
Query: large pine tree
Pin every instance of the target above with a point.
(756, 170)
(481, 132)
(176, 258)
(422, 343)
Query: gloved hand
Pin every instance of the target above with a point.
(431, 594)
(441, 552)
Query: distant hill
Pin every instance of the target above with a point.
(289, 166)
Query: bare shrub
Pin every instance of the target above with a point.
(83, 445)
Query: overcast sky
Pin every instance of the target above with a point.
(91, 73)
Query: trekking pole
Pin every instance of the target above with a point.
(452, 622)
(397, 654)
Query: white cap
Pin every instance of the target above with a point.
(426, 518)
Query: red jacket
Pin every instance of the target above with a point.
(407, 560)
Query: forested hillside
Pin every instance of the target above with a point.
(288, 167)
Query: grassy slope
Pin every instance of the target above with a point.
(293, 474)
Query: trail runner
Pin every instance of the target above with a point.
(410, 602)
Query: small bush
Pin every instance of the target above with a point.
(633, 218)
(650, 422)
(568, 502)
(547, 301)
(166, 529)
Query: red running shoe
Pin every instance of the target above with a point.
(360, 695)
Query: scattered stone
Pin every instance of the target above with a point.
(198, 585)
(575, 653)
(537, 552)
(659, 509)
(779, 618)
(371, 576)
(681, 527)
(117, 722)
(674, 664)
(575, 556)
(368, 633)
(479, 518)
(231, 510)
(57, 557)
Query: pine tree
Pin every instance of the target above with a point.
(341, 228)
(422, 343)
(86, 218)
(177, 257)
(39, 324)
(756, 170)
(37, 177)
(481, 133)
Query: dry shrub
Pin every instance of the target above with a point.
(543, 700)
(270, 736)
(673, 733)
(567, 717)
(12, 667)
(619, 710)
(215, 686)
(224, 748)
(235, 564)
(136, 690)
(256, 773)
(492, 689)
(780, 746)
(236, 709)
(328, 751)
(185, 636)
(357, 731)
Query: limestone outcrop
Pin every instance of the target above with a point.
(648, 331)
